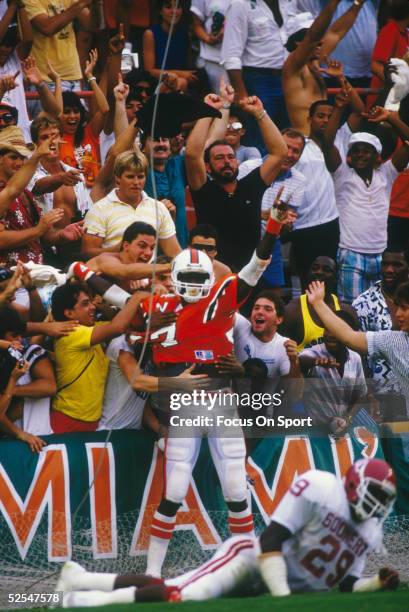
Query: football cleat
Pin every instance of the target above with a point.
(370, 486)
(192, 275)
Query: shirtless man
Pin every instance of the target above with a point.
(55, 184)
(132, 262)
(309, 45)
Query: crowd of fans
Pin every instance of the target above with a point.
(85, 178)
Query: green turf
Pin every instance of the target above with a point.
(317, 602)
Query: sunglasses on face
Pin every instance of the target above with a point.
(141, 88)
(204, 247)
(7, 117)
(234, 126)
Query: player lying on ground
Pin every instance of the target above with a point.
(319, 537)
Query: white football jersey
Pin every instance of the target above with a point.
(327, 544)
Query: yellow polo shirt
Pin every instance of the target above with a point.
(81, 372)
(61, 48)
(110, 217)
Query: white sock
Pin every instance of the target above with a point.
(88, 599)
(95, 581)
(161, 532)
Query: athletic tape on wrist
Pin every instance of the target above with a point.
(252, 272)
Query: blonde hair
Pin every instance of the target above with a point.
(130, 160)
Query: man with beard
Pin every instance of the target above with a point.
(376, 311)
(232, 206)
(301, 322)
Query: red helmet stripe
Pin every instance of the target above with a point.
(194, 256)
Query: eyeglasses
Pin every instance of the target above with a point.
(236, 125)
(6, 118)
(204, 247)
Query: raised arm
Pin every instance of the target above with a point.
(301, 55)
(275, 144)
(20, 180)
(340, 28)
(102, 106)
(48, 100)
(339, 329)
(400, 158)
(331, 154)
(249, 276)
(196, 144)
(219, 126)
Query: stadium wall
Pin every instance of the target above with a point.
(83, 497)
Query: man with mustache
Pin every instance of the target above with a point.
(231, 205)
(170, 181)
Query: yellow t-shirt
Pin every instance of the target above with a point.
(82, 399)
(61, 48)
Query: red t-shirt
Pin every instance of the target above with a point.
(391, 42)
(86, 156)
(400, 196)
(202, 332)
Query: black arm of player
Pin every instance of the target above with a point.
(251, 273)
(271, 561)
(386, 579)
(273, 537)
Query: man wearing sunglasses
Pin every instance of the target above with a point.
(203, 237)
(8, 115)
(235, 131)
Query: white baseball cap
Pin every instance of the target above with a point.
(366, 137)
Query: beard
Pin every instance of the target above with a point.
(220, 177)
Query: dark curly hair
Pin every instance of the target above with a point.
(71, 100)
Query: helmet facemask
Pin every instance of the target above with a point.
(374, 500)
(192, 286)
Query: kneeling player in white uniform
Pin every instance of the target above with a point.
(320, 536)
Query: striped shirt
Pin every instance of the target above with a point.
(394, 347)
(123, 406)
(110, 217)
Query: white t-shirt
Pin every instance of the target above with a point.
(205, 10)
(317, 513)
(247, 346)
(16, 96)
(327, 395)
(363, 210)
(122, 407)
(318, 205)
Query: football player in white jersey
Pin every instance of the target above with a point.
(319, 537)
